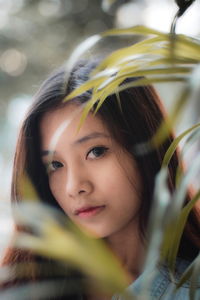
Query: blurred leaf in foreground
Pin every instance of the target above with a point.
(69, 244)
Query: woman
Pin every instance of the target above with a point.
(94, 176)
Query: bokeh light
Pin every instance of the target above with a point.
(16, 110)
(159, 15)
(13, 62)
(129, 14)
(49, 8)
(18, 107)
(6, 225)
(3, 20)
(6, 6)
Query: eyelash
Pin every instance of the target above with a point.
(51, 168)
(102, 149)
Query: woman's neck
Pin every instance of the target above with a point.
(128, 246)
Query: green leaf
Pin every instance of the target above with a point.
(139, 29)
(88, 85)
(190, 141)
(192, 274)
(178, 228)
(27, 190)
(157, 224)
(54, 236)
(180, 193)
(195, 278)
(88, 108)
(175, 144)
(167, 125)
(186, 276)
(126, 54)
(80, 50)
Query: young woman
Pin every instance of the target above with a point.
(96, 178)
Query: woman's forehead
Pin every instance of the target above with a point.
(66, 121)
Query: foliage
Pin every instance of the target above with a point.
(158, 57)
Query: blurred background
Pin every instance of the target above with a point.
(36, 36)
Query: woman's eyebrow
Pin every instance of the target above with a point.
(93, 135)
(90, 136)
(47, 152)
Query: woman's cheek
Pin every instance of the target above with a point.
(55, 184)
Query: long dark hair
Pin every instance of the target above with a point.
(135, 122)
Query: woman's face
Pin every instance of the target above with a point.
(91, 177)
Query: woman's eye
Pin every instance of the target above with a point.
(54, 165)
(97, 152)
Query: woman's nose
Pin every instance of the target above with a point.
(78, 182)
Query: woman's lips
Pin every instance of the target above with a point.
(86, 212)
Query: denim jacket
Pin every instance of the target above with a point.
(161, 286)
